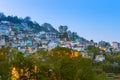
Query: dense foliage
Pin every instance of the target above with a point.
(43, 65)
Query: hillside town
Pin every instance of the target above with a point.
(22, 40)
(27, 40)
(59, 40)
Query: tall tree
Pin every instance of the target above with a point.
(2, 16)
(63, 32)
(63, 29)
(74, 36)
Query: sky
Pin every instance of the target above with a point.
(92, 19)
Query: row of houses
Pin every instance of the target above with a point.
(22, 37)
(25, 40)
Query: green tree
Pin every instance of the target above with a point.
(4, 68)
(4, 64)
(93, 51)
(63, 32)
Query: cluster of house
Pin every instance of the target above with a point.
(116, 46)
(25, 40)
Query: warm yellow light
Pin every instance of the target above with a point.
(21, 70)
(35, 67)
(74, 54)
(15, 74)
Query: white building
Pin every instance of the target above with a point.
(115, 45)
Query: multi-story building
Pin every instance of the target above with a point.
(116, 45)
